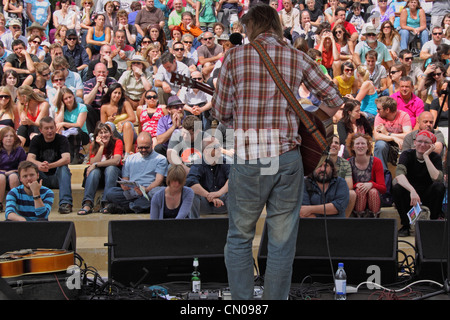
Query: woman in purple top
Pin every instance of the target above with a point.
(11, 154)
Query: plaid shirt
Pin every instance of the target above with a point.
(248, 100)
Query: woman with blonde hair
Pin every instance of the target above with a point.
(38, 80)
(60, 34)
(32, 108)
(175, 200)
(11, 154)
(367, 94)
(70, 121)
(368, 175)
(9, 116)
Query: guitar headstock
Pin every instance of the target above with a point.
(182, 80)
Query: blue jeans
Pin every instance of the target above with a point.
(281, 193)
(111, 175)
(381, 151)
(62, 180)
(138, 205)
(405, 35)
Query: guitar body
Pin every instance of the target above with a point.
(312, 147)
(23, 262)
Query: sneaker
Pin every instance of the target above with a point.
(65, 208)
(404, 231)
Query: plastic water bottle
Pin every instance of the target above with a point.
(195, 278)
(340, 283)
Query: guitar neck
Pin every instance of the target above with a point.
(181, 80)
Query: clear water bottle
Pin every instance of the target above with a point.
(195, 278)
(340, 283)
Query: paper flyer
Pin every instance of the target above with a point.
(414, 213)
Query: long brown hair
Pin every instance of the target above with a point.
(4, 131)
(109, 148)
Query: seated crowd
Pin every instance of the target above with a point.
(99, 77)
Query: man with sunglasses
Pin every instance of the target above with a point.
(371, 43)
(77, 52)
(146, 168)
(414, 72)
(14, 33)
(179, 53)
(208, 54)
(429, 48)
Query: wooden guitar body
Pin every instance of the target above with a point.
(29, 261)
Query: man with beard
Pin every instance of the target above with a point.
(30, 201)
(371, 43)
(324, 186)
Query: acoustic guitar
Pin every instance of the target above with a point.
(316, 135)
(34, 261)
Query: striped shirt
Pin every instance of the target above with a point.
(19, 202)
(248, 100)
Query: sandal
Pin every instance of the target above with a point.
(104, 210)
(83, 211)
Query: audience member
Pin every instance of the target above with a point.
(414, 72)
(324, 193)
(147, 16)
(432, 82)
(106, 59)
(163, 77)
(419, 180)
(97, 36)
(51, 153)
(15, 33)
(429, 48)
(209, 180)
(146, 168)
(168, 124)
(30, 201)
(343, 170)
(396, 72)
(121, 52)
(149, 113)
(72, 79)
(371, 43)
(413, 23)
(104, 167)
(175, 200)
(9, 114)
(123, 24)
(290, 18)
(118, 112)
(136, 80)
(390, 128)
(77, 52)
(425, 121)
(368, 176)
(71, 122)
(20, 60)
(407, 101)
(32, 109)
(208, 54)
(390, 38)
(11, 154)
(38, 80)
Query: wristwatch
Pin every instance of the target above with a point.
(36, 197)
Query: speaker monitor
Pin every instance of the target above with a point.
(358, 243)
(432, 249)
(16, 235)
(163, 250)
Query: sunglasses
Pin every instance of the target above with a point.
(436, 74)
(197, 78)
(70, 39)
(179, 49)
(146, 42)
(151, 97)
(408, 58)
(189, 42)
(348, 70)
(5, 97)
(207, 38)
(57, 80)
(144, 148)
(437, 33)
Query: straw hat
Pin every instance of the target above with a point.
(140, 59)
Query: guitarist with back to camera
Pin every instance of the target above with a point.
(268, 169)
